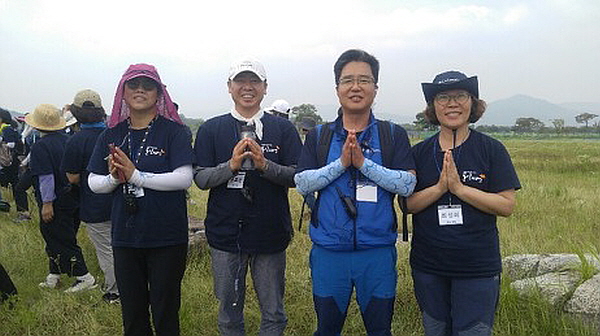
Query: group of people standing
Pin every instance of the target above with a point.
(454, 183)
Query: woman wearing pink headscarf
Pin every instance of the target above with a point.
(144, 159)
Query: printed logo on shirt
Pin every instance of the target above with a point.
(473, 176)
(154, 151)
(269, 148)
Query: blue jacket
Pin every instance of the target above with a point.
(375, 224)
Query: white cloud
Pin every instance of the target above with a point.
(515, 14)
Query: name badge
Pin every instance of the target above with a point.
(366, 191)
(450, 215)
(237, 182)
(135, 190)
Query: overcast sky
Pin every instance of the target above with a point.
(50, 49)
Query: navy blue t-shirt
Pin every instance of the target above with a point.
(471, 249)
(93, 208)
(161, 218)
(232, 222)
(46, 155)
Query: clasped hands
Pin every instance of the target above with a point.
(449, 178)
(247, 148)
(351, 152)
(120, 166)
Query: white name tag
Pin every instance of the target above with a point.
(237, 182)
(135, 190)
(450, 215)
(366, 192)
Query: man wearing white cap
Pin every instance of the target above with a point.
(247, 159)
(280, 108)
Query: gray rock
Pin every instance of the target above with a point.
(586, 298)
(554, 287)
(521, 266)
(557, 262)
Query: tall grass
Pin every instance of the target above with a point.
(556, 212)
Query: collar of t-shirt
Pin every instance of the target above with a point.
(254, 120)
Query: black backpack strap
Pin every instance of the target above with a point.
(384, 128)
(301, 214)
(386, 140)
(403, 208)
(325, 135)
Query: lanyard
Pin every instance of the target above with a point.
(142, 143)
(456, 158)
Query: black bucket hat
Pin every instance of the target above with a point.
(450, 80)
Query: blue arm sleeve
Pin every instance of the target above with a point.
(395, 181)
(311, 180)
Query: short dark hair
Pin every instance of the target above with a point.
(355, 55)
(87, 114)
(477, 109)
(5, 116)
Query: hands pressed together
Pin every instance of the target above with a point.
(120, 166)
(449, 178)
(247, 148)
(351, 152)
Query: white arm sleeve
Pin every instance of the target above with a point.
(178, 179)
(102, 184)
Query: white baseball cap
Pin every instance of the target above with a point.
(280, 106)
(247, 64)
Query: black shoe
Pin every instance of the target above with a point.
(111, 298)
(4, 206)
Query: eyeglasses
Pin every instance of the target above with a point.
(444, 99)
(146, 83)
(360, 81)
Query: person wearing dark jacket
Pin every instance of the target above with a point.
(56, 201)
(9, 174)
(94, 209)
(247, 159)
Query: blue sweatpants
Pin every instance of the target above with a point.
(454, 306)
(336, 273)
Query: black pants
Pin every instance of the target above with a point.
(20, 190)
(150, 277)
(7, 287)
(60, 235)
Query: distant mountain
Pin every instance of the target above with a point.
(583, 107)
(506, 111)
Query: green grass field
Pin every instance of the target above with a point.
(556, 212)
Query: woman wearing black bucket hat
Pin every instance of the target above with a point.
(464, 180)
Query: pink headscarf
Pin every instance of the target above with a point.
(164, 104)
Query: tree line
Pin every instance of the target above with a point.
(301, 113)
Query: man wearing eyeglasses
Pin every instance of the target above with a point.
(247, 159)
(353, 224)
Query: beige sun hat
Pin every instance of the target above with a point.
(46, 117)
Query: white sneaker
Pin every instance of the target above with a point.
(52, 281)
(82, 283)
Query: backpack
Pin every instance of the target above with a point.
(386, 140)
(6, 155)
